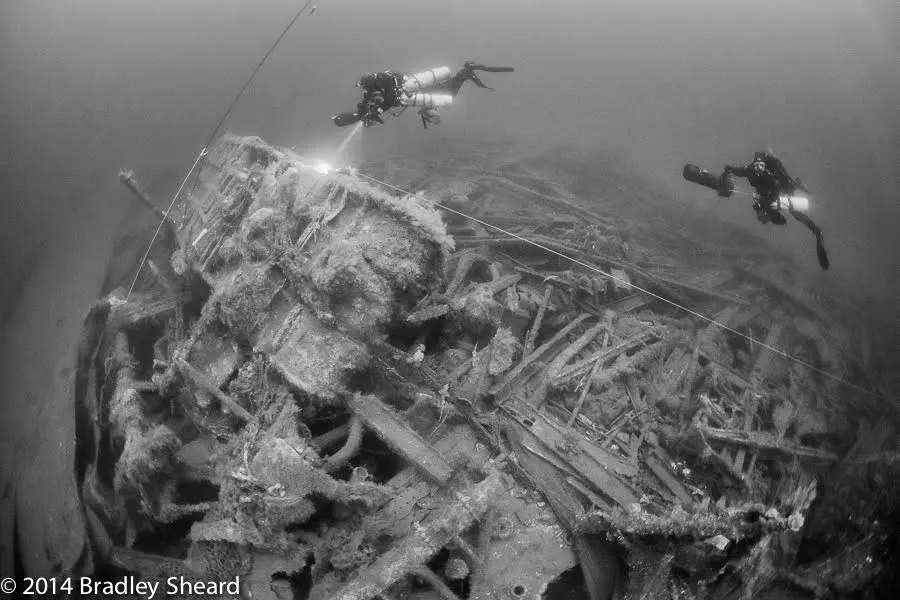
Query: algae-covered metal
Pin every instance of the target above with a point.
(321, 395)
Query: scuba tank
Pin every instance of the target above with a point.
(424, 100)
(425, 79)
(798, 204)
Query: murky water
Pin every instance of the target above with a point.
(92, 86)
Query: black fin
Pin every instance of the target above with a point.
(823, 256)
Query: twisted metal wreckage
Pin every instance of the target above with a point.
(317, 388)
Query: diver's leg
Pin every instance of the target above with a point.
(456, 82)
(820, 245)
(810, 224)
(475, 79)
(467, 73)
(776, 217)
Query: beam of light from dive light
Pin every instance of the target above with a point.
(350, 135)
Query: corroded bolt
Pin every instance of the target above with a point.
(456, 568)
(178, 262)
(503, 528)
(359, 475)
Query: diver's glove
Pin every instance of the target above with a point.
(372, 115)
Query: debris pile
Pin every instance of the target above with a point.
(333, 394)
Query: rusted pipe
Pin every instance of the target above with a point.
(127, 177)
(201, 381)
(349, 449)
(536, 326)
(330, 438)
(436, 582)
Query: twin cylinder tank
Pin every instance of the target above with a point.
(414, 87)
(423, 100)
(426, 79)
(799, 204)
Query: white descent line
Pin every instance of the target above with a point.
(162, 221)
(649, 293)
(259, 66)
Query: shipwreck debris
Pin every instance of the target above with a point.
(326, 396)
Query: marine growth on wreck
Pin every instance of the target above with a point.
(330, 391)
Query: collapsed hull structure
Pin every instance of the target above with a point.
(328, 395)
(302, 273)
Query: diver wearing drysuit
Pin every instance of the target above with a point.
(381, 92)
(388, 89)
(770, 180)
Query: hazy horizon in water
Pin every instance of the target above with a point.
(93, 86)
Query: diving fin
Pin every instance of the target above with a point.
(493, 69)
(820, 252)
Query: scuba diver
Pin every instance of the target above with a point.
(381, 92)
(426, 91)
(774, 190)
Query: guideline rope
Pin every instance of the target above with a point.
(213, 135)
(256, 69)
(161, 222)
(710, 320)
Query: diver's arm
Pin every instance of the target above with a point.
(777, 167)
(726, 184)
(369, 112)
(786, 179)
(738, 171)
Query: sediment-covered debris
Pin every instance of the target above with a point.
(351, 403)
